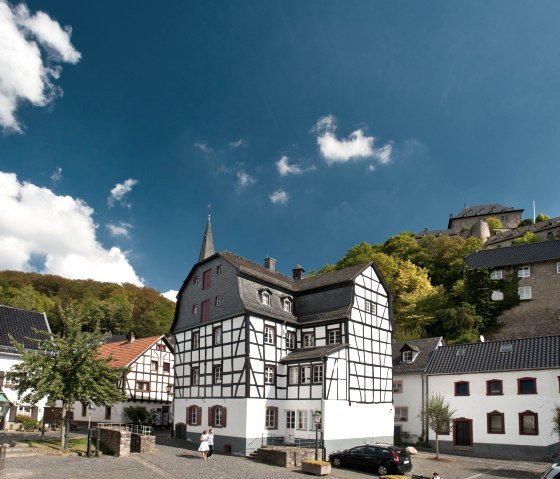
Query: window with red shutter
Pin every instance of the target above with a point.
(205, 311)
(207, 279)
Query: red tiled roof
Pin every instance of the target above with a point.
(125, 352)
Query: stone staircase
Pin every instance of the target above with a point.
(20, 449)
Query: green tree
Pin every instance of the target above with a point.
(525, 222)
(541, 217)
(137, 414)
(437, 415)
(556, 420)
(527, 238)
(495, 224)
(70, 370)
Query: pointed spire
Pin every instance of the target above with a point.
(207, 248)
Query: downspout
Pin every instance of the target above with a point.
(323, 394)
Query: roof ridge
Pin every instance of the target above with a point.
(260, 266)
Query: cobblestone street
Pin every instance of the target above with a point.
(173, 460)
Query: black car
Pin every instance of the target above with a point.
(380, 458)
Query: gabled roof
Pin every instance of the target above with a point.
(126, 352)
(514, 255)
(542, 352)
(427, 232)
(483, 210)
(539, 227)
(308, 354)
(24, 326)
(425, 348)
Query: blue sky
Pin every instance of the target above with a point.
(309, 126)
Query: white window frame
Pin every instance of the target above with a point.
(308, 340)
(195, 340)
(317, 374)
(270, 417)
(397, 386)
(496, 274)
(24, 410)
(334, 336)
(293, 375)
(143, 386)
(218, 414)
(218, 301)
(302, 419)
(407, 356)
(269, 374)
(305, 375)
(269, 333)
(218, 374)
(290, 338)
(290, 419)
(524, 272)
(399, 416)
(287, 305)
(525, 292)
(265, 298)
(218, 336)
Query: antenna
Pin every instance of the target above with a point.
(209, 211)
(534, 212)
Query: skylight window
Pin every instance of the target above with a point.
(461, 352)
(506, 348)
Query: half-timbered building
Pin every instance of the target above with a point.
(147, 381)
(258, 353)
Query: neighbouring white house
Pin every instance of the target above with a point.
(410, 360)
(259, 355)
(503, 393)
(25, 327)
(147, 381)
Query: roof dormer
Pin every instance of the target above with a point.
(409, 353)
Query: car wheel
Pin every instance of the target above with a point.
(382, 470)
(336, 462)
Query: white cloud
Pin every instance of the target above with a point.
(203, 146)
(357, 146)
(35, 222)
(279, 196)
(122, 229)
(119, 191)
(57, 175)
(171, 295)
(30, 47)
(236, 144)
(284, 167)
(244, 179)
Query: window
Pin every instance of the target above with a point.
(371, 307)
(166, 367)
(525, 292)
(293, 374)
(318, 373)
(290, 419)
(194, 415)
(302, 419)
(194, 309)
(308, 340)
(290, 338)
(161, 347)
(558, 268)
(108, 412)
(401, 414)
(524, 272)
(305, 374)
(334, 336)
(142, 386)
(407, 356)
(154, 366)
(207, 279)
(269, 374)
(265, 298)
(24, 411)
(529, 423)
(195, 340)
(218, 300)
(217, 416)
(217, 374)
(287, 305)
(271, 418)
(195, 376)
(494, 387)
(219, 269)
(269, 333)
(397, 386)
(217, 336)
(461, 388)
(497, 295)
(205, 311)
(495, 422)
(496, 274)
(527, 386)
(195, 280)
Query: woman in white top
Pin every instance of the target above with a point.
(203, 448)
(210, 442)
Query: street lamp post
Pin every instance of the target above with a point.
(170, 391)
(317, 420)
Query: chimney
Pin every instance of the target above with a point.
(270, 263)
(132, 337)
(297, 272)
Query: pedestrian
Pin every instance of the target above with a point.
(203, 448)
(210, 442)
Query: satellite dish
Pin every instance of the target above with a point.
(481, 338)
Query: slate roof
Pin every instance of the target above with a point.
(425, 347)
(427, 232)
(542, 352)
(539, 227)
(125, 352)
(23, 325)
(482, 210)
(308, 354)
(514, 255)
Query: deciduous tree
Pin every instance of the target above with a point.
(438, 415)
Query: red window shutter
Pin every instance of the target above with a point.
(224, 423)
(205, 311)
(211, 416)
(206, 279)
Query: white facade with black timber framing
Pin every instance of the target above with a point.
(257, 353)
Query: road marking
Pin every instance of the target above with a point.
(482, 474)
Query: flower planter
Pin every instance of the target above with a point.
(318, 468)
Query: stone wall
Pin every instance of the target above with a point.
(117, 441)
(147, 443)
(283, 456)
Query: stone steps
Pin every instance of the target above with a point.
(20, 450)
